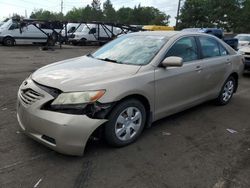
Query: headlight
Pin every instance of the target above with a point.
(241, 52)
(75, 98)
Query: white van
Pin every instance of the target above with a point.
(94, 33)
(71, 28)
(11, 33)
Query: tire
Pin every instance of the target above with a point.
(8, 41)
(227, 91)
(75, 43)
(51, 42)
(83, 42)
(126, 122)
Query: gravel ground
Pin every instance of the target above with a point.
(190, 149)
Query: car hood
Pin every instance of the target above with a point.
(245, 49)
(243, 43)
(81, 73)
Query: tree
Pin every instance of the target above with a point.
(82, 14)
(194, 13)
(109, 12)
(242, 25)
(138, 15)
(96, 4)
(96, 10)
(209, 13)
(124, 15)
(224, 13)
(142, 16)
(46, 15)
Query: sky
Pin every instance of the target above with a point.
(8, 7)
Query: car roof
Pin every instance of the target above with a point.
(243, 34)
(168, 34)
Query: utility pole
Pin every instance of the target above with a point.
(62, 6)
(178, 13)
(26, 15)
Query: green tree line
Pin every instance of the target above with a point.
(138, 15)
(231, 15)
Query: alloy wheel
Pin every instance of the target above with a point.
(228, 91)
(128, 123)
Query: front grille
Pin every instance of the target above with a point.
(29, 96)
(52, 91)
(247, 53)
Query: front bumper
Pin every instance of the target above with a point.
(65, 133)
(247, 62)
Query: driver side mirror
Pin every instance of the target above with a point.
(172, 61)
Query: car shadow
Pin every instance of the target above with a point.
(246, 74)
(100, 145)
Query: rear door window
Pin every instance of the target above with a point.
(209, 47)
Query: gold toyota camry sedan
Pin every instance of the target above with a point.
(125, 86)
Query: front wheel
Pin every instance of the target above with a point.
(8, 41)
(126, 123)
(227, 91)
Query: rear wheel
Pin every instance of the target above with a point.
(8, 41)
(227, 91)
(126, 123)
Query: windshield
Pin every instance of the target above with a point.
(7, 24)
(243, 38)
(131, 49)
(80, 28)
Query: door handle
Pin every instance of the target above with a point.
(198, 68)
(228, 61)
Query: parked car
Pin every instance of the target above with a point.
(71, 28)
(244, 48)
(94, 33)
(11, 33)
(1, 23)
(244, 40)
(124, 86)
(233, 42)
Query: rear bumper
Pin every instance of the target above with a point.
(64, 133)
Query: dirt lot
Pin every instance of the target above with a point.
(199, 151)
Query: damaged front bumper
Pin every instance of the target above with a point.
(65, 133)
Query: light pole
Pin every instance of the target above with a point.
(62, 6)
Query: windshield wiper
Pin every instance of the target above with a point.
(110, 60)
(89, 55)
